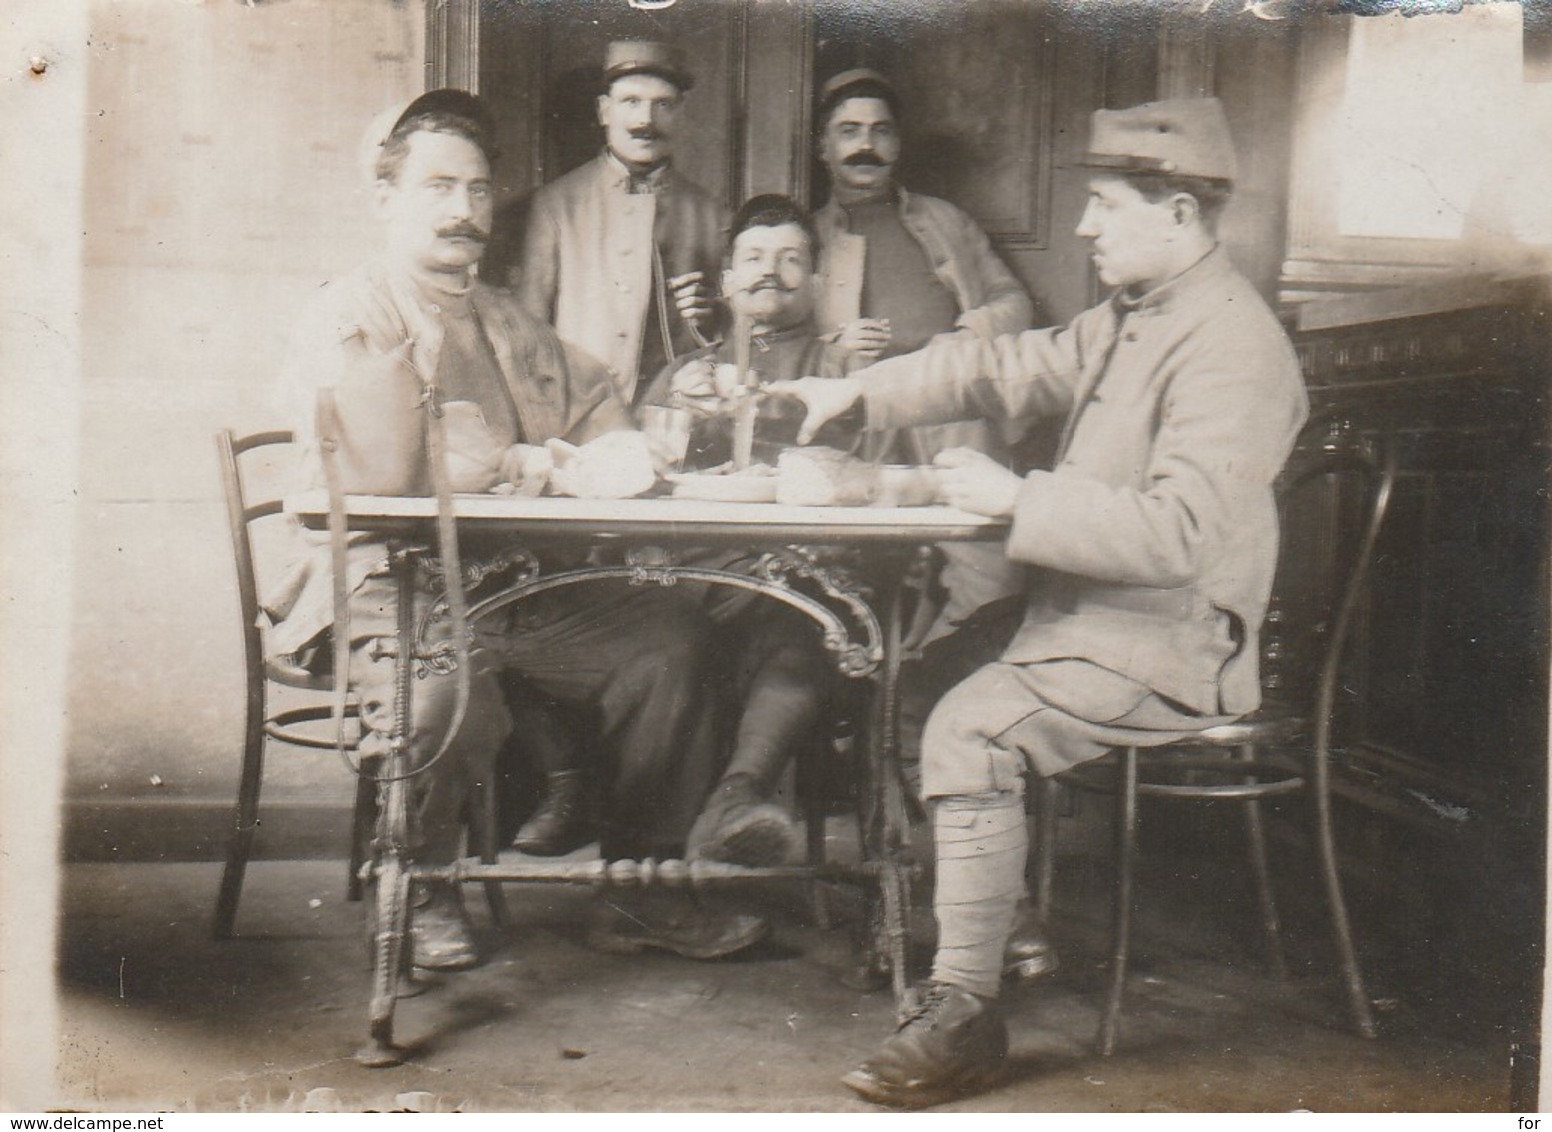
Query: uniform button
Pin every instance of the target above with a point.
(1130, 336)
(625, 251)
(620, 334)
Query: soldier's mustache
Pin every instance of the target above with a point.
(864, 157)
(768, 283)
(464, 231)
(646, 133)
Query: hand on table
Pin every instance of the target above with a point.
(973, 481)
(527, 467)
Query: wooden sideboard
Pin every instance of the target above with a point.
(1442, 735)
(1445, 719)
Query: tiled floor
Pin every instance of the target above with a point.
(155, 1014)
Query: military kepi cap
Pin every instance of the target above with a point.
(445, 100)
(1180, 137)
(838, 84)
(448, 100)
(644, 57)
(859, 81)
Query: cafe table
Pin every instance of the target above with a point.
(847, 568)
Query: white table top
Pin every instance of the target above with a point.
(663, 519)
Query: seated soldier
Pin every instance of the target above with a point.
(415, 328)
(769, 651)
(1154, 540)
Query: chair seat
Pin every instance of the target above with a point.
(1233, 777)
(1271, 724)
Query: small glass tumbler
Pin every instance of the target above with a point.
(667, 429)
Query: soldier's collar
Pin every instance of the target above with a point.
(654, 180)
(1159, 298)
(769, 338)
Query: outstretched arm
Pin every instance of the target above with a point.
(1015, 376)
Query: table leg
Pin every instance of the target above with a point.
(391, 900)
(886, 824)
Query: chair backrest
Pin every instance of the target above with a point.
(241, 513)
(1332, 498)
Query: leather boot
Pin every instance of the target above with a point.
(440, 936)
(953, 1043)
(1029, 954)
(560, 824)
(741, 827)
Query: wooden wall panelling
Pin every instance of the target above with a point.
(1452, 665)
(512, 82)
(1253, 73)
(777, 99)
(453, 44)
(977, 86)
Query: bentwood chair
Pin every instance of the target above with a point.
(305, 727)
(308, 726)
(1335, 494)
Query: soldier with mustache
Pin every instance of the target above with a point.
(414, 326)
(618, 254)
(900, 270)
(769, 654)
(775, 671)
(1151, 543)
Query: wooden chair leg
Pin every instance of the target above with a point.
(488, 832)
(1045, 845)
(245, 824)
(1347, 954)
(1126, 856)
(1255, 830)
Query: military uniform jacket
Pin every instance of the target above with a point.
(556, 390)
(991, 300)
(586, 262)
(1157, 530)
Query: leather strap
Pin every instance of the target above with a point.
(328, 430)
(660, 285)
(329, 441)
(452, 566)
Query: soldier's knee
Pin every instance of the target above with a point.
(673, 643)
(436, 720)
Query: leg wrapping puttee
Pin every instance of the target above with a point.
(981, 842)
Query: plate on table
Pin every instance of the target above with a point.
(725, 487)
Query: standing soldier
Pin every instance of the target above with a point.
(618, 254)
(898, 269)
